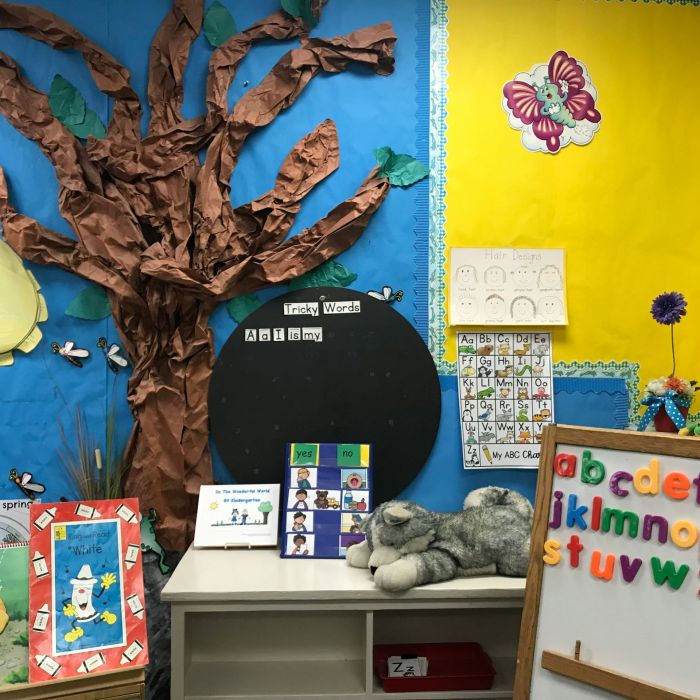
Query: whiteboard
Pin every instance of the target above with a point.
(638, 628)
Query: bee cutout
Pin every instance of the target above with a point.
(387, 294)
(114, 360)
(70, 352)
(25, 484)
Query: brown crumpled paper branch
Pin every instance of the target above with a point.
(226, 59)
(169, 54)
(109, 75)
(340, 228)
(82, 192)
(286, 80)
(157, 230)
(266, 221)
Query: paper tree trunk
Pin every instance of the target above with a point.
(156, 228)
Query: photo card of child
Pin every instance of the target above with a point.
(327, 497)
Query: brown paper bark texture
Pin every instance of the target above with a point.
(157, 230)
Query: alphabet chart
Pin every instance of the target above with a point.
(327, 499)
(505, 396)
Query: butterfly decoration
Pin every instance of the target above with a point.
(114, 360)
(387, 294)
(70, 352)
(25, 484)
(553, 105)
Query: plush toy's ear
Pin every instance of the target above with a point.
(395, 515)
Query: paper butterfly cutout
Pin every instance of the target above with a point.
(553, 105)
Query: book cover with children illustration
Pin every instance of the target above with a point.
(14, 592)
(237, 515)
(86, 602)
(327, 498)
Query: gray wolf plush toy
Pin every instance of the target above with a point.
(408, 545)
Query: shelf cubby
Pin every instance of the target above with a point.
(247, 625)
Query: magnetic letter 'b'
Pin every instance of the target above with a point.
(592, 470)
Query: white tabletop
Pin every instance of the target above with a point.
(260, 574)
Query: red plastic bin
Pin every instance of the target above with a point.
(464, 666)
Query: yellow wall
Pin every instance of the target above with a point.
(626, 207)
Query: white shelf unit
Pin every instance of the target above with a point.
(247, 625)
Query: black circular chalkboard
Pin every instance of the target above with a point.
(369, 378)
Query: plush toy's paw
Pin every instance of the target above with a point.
(488, 570)
(399, 576)
(75, 634)
(381, 556)
(358, 555)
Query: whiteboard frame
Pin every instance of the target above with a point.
(554, 435)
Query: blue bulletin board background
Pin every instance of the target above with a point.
(369, 111)
(69, 558)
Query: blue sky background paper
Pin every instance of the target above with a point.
(67, 563)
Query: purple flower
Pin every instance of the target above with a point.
(669, 308)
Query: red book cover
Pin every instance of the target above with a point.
(86, 599)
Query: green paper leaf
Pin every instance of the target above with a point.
(399, 168)
(382, 156)
(300, 8)
(90, 305)
(219, 25)
(66, 103)
(241, 307)
(70, 108)
(330, 274)
(92, 126)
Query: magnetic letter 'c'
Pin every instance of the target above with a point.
(615, 480)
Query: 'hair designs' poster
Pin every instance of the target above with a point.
(86, 589)
(507, 287)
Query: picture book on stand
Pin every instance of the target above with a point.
(14, 592)
(327, 497)
(86, 600)
(237, 515)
